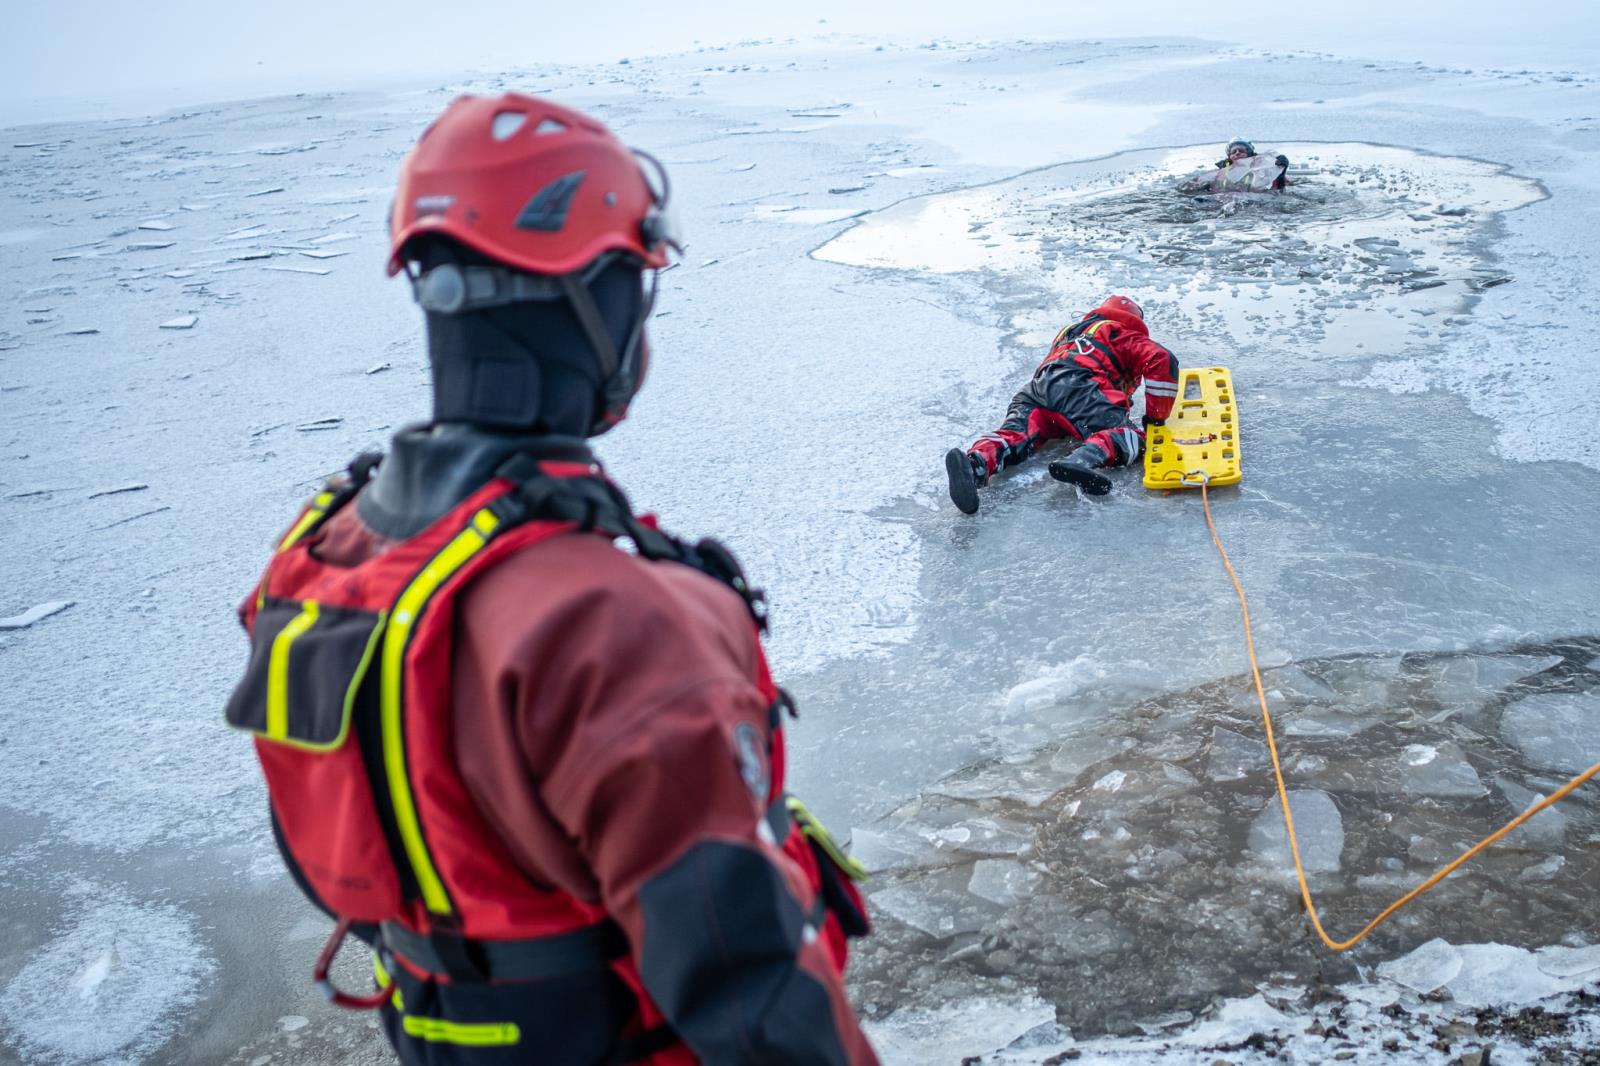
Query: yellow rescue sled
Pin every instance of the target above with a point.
(1201, 435)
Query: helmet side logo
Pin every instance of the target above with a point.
(547, 211)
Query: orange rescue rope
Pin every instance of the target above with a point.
(1283, 794)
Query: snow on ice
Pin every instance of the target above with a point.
(866, 290)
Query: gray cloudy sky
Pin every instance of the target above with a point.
(85, 58)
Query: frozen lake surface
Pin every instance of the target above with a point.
(1033, 722)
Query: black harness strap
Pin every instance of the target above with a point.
(594, 503)
(460, 959)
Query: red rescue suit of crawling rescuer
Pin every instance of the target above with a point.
(1082, 390)
(541, 776)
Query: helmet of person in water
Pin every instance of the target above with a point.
(1122, 304)
(551, 197)
(1246, 147)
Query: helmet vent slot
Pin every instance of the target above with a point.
(507, 123)
(550, 125)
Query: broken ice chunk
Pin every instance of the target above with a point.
(1544, 871)
(181, 322)
(1234, 757)
(984, 836)
(158, 224)
(1569, 962)
(1111, 782)
(1020, 784)
(1547, 829)
(148, 246)
(1431, 966)
(1079, 754)
(1317, 825)
(34, 614)
(937, 904)
(1494, 975)
(1439, 770)
(1002, 881)
(1556, 730)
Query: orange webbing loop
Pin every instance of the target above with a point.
(1283, 793)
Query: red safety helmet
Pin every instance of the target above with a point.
(534, 185)
(1121, 304)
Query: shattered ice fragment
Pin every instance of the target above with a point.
(321, 253)
(1002, 881)
(34, 614)
(298, 270)
(1495, 975)
(377, 368)
(158, 224)
(333, 238)
(1431, 966)
(1557, 731)
(320, 424)
(1078, 755)
(266, 192)
(149, 246)
(83, 331)
(1111, 782)
(936, 905)
(742, 167)
(1569, 962)
(955, 1031)
(1152, 1026)
(244, 257)
(1233, 756)
(1544, 871)
(1440, 770)
(137, 486)
(290, 1023)
(181, 322)
(1318, 827)
(1547, 829)
(248, 233)
(179, 274)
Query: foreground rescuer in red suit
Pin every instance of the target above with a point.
(542, 776)
(1083, 390)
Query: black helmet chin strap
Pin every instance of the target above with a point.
(594, 325)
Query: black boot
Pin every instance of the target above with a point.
(1080, 469)
(968, 473)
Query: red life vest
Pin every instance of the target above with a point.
(1079, 343)
(348, 692)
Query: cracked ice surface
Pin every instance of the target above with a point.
(1165, 842)
(89, 994)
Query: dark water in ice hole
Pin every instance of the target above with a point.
(1123, 873)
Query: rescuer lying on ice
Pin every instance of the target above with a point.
(1082, 390)
(542, 776)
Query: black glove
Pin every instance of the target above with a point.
(1146, 421)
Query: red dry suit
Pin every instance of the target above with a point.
(543, 777)
(1083, 389)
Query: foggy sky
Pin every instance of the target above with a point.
(104, 58)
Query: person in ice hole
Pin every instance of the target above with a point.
(1082, 391)
(516, 738)
(1241, 169)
